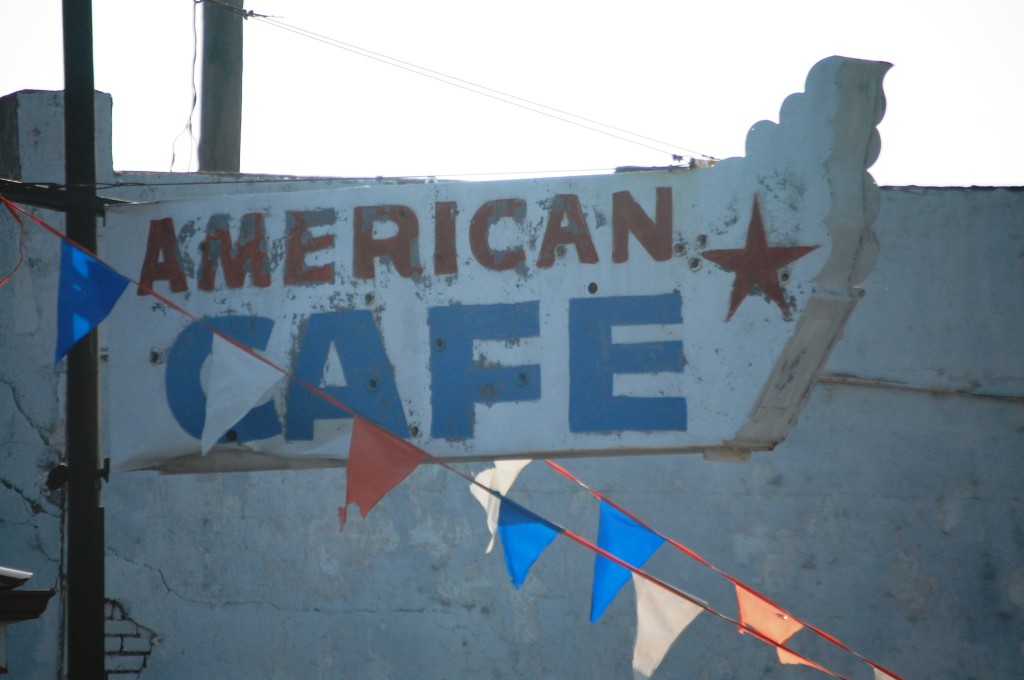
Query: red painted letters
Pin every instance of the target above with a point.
(161, 260)
(565, 225)
(576, 232)
(401, 247)
(250, 248)
(300, 243)
(629, 218)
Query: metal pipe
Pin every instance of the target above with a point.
(220, 129)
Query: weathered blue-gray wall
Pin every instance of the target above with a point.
(892, 517)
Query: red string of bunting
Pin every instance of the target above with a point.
(381, 460)
(740, 585)
(21, 244)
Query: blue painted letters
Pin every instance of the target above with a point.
(457, 382)
(369, 387)
(594, 361)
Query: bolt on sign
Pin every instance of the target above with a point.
(672, 310)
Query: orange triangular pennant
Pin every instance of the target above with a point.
(378, 461)
(769, 620)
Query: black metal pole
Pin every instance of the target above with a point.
(85, 531)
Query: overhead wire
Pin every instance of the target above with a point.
(493, 93)
(192, 141)
(242, 12)
(555, 113)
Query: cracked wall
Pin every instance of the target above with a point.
(892, 517)
(31, 439)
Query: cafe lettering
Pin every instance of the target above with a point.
(657, 311)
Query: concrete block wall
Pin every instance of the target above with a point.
(127, 644)
(892, 517)
(32, 137)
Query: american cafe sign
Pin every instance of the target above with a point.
(673, 310)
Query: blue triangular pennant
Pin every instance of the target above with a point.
(524, 536)
(628, 540)
(88, 291)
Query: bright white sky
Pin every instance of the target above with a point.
(696, 73)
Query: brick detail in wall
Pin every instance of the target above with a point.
(127, 643)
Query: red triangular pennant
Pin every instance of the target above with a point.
(378, 461)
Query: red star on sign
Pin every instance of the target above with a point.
(756, 264)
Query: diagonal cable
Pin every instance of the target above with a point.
(521, 102)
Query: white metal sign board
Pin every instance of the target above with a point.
(668, 310)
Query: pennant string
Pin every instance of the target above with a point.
(590, 545)
(690, 553)
(21, 245)
(697, 601)
(598, 495)
(15, 209)
(882, 669)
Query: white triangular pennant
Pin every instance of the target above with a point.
(882, 675)
(501, 477)
(237, 383)
(660, 617)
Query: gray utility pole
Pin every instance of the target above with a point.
(85, 532)
(220, 129)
